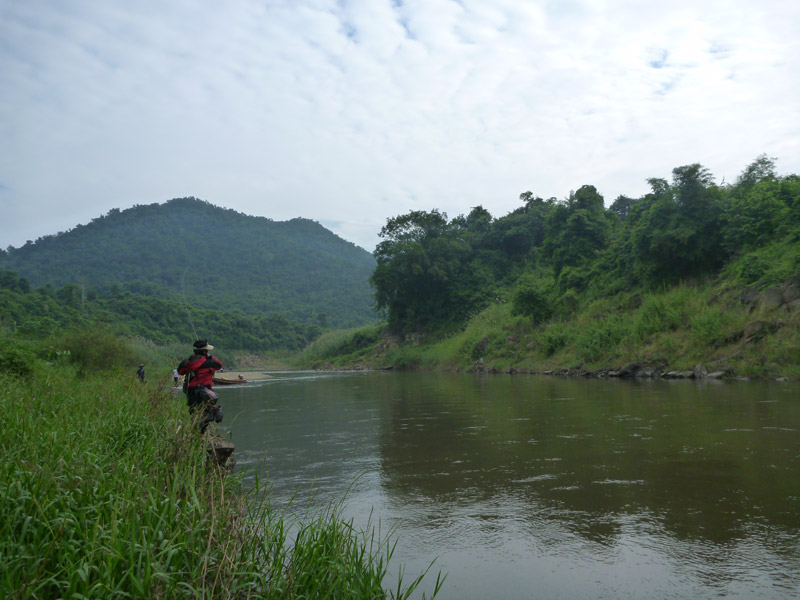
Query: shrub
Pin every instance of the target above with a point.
(570, 301)
(600, 338)
(657, 314)
(97, 348)
(709, 326)
(530, 302)
(752, 268)
(551, 340)
(16, 360)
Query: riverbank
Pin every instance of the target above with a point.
(106, 490)
(708, 329)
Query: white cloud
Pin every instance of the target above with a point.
(350, 112)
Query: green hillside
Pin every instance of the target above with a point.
(692, 272)
(214, 258)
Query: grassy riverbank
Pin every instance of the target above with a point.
(724, 325)
(106, 491)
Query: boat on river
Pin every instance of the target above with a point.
(229, 380)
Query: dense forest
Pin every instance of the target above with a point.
(214, 258)
(44, 311)
(549, 255)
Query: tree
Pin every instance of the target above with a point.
(577, 229)
(677, 231)
(421, 279)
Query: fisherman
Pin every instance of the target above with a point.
(140, 373)
(199, 368)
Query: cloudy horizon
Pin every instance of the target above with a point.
(349, 112)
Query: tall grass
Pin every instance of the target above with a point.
(340, 343)
(106, 491)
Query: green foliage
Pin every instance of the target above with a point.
(422, 279)
(570, 301)
(552, 339)
(106, 492)
(97, 348)
(599, 339)
(529, 301)
(215, 259)
(676, 230)
(550, 258)
(661, 312)
(577, 230)
(16, 360)
(709, 326)
(752, 268)
(43, 312)
(340, 343)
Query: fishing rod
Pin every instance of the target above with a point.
(186, 304)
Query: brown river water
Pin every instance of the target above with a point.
(541, 487)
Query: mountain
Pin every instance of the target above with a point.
(211, 257)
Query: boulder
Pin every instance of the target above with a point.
(687, 375)
(792, 306)
(790, 290)
(700, 371)
(629, 370)
(755, 330)
(749, 295)
(771, 298)
(716, 375)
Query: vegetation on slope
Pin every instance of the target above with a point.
(692, 271)
(217, 259)
(41, 313)
(106, 492)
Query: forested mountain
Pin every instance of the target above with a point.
(213, 258)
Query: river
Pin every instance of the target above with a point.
(542, 487)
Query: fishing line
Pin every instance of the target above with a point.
(186, 304)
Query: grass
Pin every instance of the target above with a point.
(673, 329)
(106, 491)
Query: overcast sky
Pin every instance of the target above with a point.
(349, 112)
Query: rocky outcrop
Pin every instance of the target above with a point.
(786, 296)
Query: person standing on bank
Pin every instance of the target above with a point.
(200, 368)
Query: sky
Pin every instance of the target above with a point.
(350, 112)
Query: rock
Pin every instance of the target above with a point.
(613, 374)
(755, 330)
(700, 371)
(771, 298)
(716, 375)
(629, 370)
(219, 449)
(687, 375)
(781, 379)
(511, 371)
(791, 290)
(749, 296)
(644, 372)
(793, 306)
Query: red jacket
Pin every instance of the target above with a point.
(201, 368)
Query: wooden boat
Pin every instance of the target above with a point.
(226, 381)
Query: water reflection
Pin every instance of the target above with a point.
(543, 487)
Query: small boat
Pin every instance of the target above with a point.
(231, 381)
